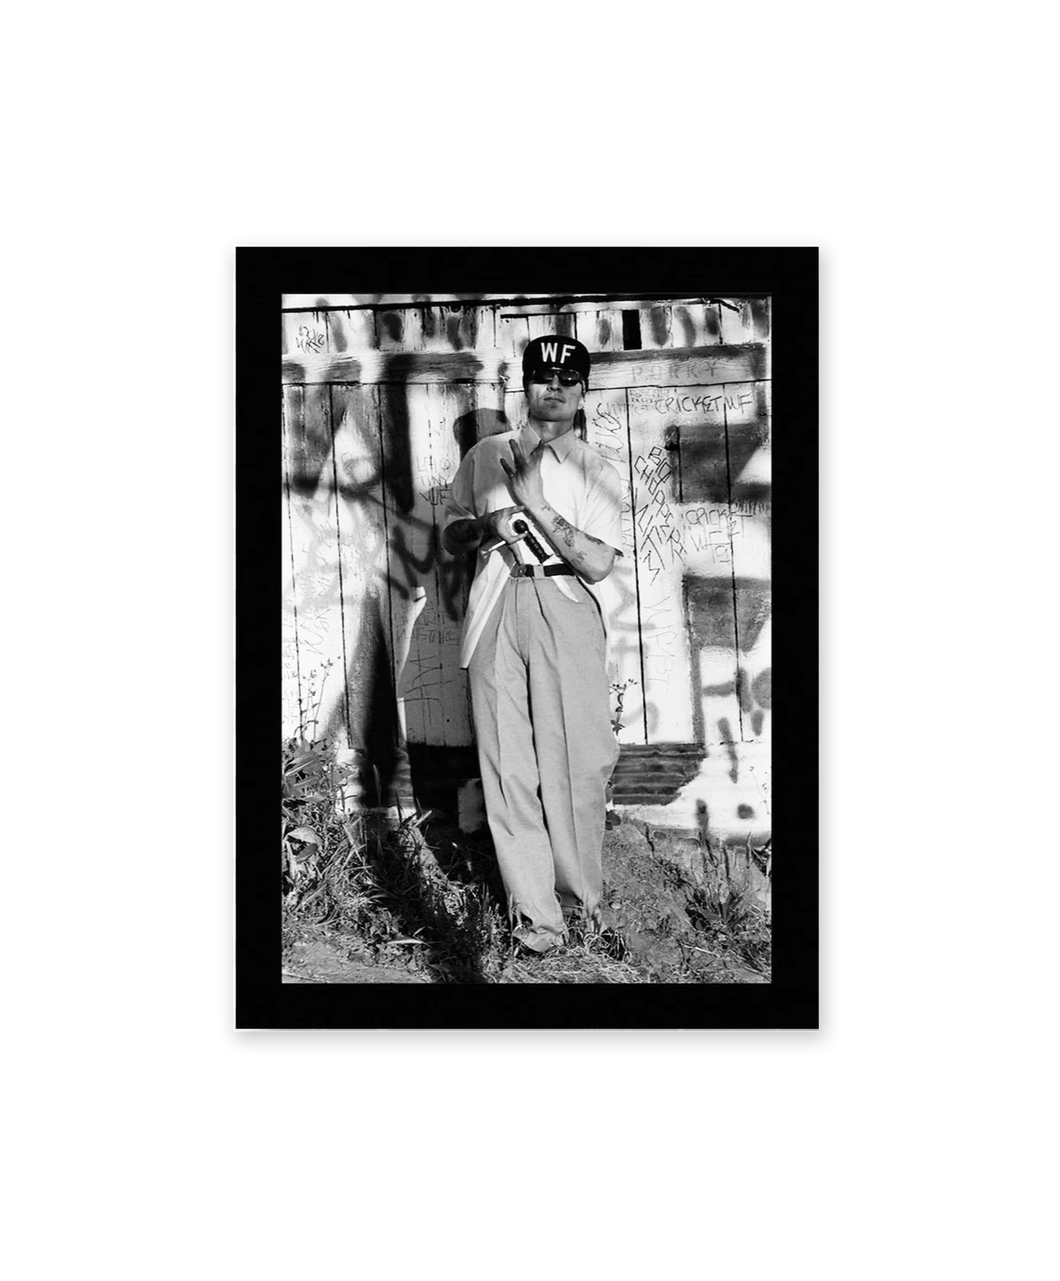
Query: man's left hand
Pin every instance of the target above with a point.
(524, 475)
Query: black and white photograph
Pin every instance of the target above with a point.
(526, 659)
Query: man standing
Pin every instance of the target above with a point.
(543, 512)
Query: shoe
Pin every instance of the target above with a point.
(577, 918)
(535, 942)
(525, 953)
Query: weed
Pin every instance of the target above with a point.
(732, 929)
(377, 882)
(619, 691)
(412, 891)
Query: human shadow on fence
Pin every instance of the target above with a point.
(442, 895)
(430, 590)
(402, 680)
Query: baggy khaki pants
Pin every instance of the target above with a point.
(541, 702)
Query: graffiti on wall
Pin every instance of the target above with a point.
(310, 339)
(694, 627)
(373, 605)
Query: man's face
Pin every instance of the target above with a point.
(548, 400)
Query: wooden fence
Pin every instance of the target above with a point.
(382, 398)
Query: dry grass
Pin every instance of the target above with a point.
(574, 963)
(413, 892)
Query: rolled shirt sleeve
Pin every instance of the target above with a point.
(464, 503)
(603, 507)
(460, 504)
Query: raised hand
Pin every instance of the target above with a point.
(524, 475)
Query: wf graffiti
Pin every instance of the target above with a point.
(310, 339)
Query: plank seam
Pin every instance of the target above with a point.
(732, 566)
(338, 561)
(294, 575)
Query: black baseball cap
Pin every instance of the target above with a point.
(556, 351)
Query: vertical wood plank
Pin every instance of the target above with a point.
(465, 331)
(600, 330)
(399, 329)
(433, 328)
(298, 534)
(460, 414)
(428, 587)
(738, 326)
(351, 332)
(656, 327)
(406, 592)
(387, 407)
(751, 559)
(365, 611)
(607, 431)
(514, 403)
(761, 319)
(513, 333)
(410, 444)
(695, 325)
(486, 327)
(660, 570)
(291, 689)
(315, 553)
(717, 431)
(560, 322)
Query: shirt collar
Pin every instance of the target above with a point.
(561, 446)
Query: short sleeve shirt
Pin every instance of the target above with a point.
(581, 485)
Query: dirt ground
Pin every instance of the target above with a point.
(322, 957)
(657, 898)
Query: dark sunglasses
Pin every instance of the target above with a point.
(567, 377)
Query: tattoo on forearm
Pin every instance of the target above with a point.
(566, 529)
